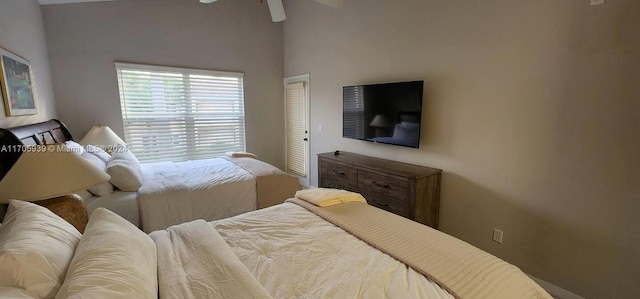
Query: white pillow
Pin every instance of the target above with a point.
(113, 260)
(99, 153)
(73, 147)
(36, 247)
(125, 154)
(105, 188)
(124, 175)
(16, 293)
(125, 171)
(85, 194)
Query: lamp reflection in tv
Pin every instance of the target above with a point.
(380, 123)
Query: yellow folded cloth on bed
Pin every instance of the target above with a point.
(241, 155)
(324, 197)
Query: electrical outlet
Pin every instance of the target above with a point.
(320, 128)
(497, 235)
(597, 2)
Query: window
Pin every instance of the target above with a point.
(176, 114)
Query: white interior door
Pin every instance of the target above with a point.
(296, 90)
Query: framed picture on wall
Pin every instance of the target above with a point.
(17, 84)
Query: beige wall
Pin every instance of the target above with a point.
(21, 33)
(85, 39)
(531, 109)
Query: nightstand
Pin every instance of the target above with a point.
(70, 208)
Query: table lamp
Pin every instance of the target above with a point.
(102, 136)
(380, 122)
(49, 178)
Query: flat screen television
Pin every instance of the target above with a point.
(388, 113)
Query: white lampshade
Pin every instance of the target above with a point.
(102, 136)
(48, 174)
(379, 121)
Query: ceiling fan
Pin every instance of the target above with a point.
(277, 9)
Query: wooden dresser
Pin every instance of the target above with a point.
(407, 190)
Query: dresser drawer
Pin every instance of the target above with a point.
(384, 185)
(385, 192)
(393, 205)
(339, 176)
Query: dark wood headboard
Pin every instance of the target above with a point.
(12, 140)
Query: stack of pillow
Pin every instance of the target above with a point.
(43, 256)
(122, 166)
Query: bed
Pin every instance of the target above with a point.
(292, 250)
(168, 193)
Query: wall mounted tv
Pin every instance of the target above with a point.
(388, 113)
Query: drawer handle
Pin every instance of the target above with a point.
(380, 204)
(380, 185)
(339, 172)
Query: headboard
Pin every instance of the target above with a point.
(12, 140)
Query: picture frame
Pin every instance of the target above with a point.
(16, 82)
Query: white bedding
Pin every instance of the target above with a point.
(195, 262)
(315, 259)
(120, 202)
(174, 193)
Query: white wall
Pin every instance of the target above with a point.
(21, 33)
(85, 39)
(531, 109)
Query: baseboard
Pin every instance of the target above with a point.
(555, 291)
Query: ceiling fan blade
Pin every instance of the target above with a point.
(331, 3)
(207, 1)
(277, 10)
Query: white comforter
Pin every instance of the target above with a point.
(295, 254)
(174, 193)
(195, 262)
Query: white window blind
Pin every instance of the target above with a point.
(296, 126)
(176, 114)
